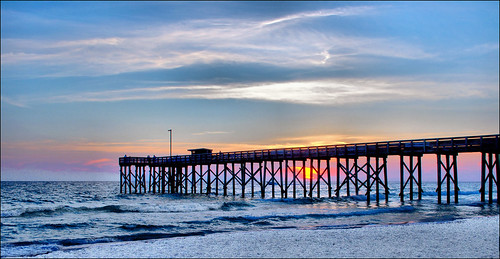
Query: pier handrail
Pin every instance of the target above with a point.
(478, 143)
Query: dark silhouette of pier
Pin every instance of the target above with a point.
(360, 168)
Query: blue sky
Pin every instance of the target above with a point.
(85, 82)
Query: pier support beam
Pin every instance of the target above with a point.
(153, 180)
(139, 182)
(249, 176)
(373, 172)
(284, 178)
(303, 170)
(225, 182)
(373, 177)
(243, 172)
(169, 179)
(263, 182)
(143, 180)
(273, 181)
(121, 179)
(209, 179)
(126, 183)
(186, 179)
(193, 179)
(321, 175)
(414, 165)
(448, 167)
(135, 179)
(217, 179)
(178, 179)
(233, 178)
(253, 176)
(489, 161)
(162, 179)
(350, 174)
(297, 171)
(205, 177)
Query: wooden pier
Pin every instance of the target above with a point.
(361, 169)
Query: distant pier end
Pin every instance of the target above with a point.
(360, 168)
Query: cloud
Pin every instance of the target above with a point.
(321, 13)
(211, 133)
(208, 41)
(483, 48)
(313, 67)
(13, 102)
(319, 92)
(89, 42)
(101, 162)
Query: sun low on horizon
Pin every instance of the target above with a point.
(84, 83)
(307, 172)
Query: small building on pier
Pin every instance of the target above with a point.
(200, 151)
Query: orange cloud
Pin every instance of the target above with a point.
(100, 161)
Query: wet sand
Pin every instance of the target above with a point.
(469, 238)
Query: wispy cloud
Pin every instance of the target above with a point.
(89, 42)
(320, 92)
(483, 48)
(101, 162)
(321, 13)
(55, 149)
(13, 102)
(211, 133)
(207, 41)
(148, 93)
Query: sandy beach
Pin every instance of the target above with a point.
(468, 238)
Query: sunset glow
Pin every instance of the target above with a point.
(306, 172)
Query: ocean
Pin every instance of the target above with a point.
(42, 217)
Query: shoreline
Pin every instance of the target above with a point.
(466, 238)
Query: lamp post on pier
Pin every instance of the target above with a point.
(170, 130)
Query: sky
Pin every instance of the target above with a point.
(83, 83)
